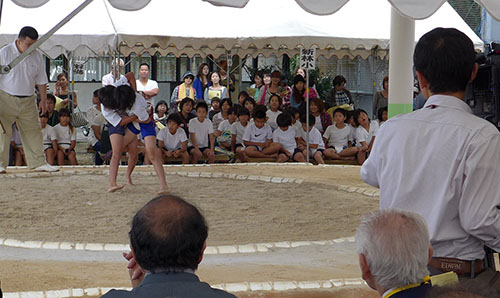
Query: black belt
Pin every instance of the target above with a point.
(22, 96)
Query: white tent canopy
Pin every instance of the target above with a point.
(195, 27)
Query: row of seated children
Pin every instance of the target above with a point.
(58, 142)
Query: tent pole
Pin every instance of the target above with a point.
(400, 64)
(71, 81)
(307, 115)
(7, 68)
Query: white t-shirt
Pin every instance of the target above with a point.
(314, 138)
(317, 123)
(338, 138)
(238, 129)
(257, 135)
(49, 135)
(366, 136)
(297, 126)
(172, 142)
(286, 138)
(22, 78)
(225, 129)
(150, 85)
(272, 119)
(140, 109)
(64, 135)
(94, 118)
(201, 131)
(217, 120)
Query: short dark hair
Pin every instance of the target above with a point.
(284, 120)
(202, 105)
(144, 64)
(340, 110)
(216, 99)
(356, 115)
(175, 118)
(28, 31)
(312, 119)
(292, 111)
(249, 99)
(380, 112)
(244, 93)
(259, 107)
(339, 80)
(445, 57)
(280, 101)
(161, 102)
(96, 93)
(106, 97)
(168, 232)
(63, 112)
(232, 110)
(184, 101)
(259, 114)
(319, 103)
(228, 100)
(125, 96)
(243, 111)
(51, 97)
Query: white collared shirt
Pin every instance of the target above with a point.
(23, 77)
(443, 163)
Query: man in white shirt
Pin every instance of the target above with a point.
(442, 161)
(18, 101)
(97, 122)
(110, 78)
(149, 88)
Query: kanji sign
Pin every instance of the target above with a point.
(308, 58)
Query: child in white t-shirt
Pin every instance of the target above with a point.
(201, 134)
(316, 144)
(286, 136)
(273, 112)
(172, 141)
(339, 138)
(66, 138)
(49, 140)
(237, 131)
(225, 105)
(223, 132)
(258, 138)
(365, 134)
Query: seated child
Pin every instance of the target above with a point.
(382, 116)
(237, 131)
(286, 136)
(273, 112)
(225, 104)
(258, 138)
(249, 104)
(160, 115)
(201, 134)
(223, 132)
(49, 139)
(294, 113)
(17, 147)
(172, 141)
(66, 138)
(365, 134)
(338, 136)
(215, 108)
(316, 144)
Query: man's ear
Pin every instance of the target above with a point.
(366, 273)
(474, 72)
(202, 252)
(424, 85)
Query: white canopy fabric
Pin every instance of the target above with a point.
(196, 27)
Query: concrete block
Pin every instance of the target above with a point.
(262, 248)
(299, 181)
(253, 178)
(32, 244)
(339, 282)
(237, 287)
(37, 294)
(58, 293)
(300, 243)
(211, 250)
(80, 246)
(77, 292)
(264, 178)
(91, 291)
(284, 285)
(283, 244)
(248, 248)
(205, 175)
(309, 284)
(261, 286)
(94, 246)
(276, 179)
(351, 189)
(227, 249)
(352, 281)
(217, 175)
(116, 247)
(66, 245)
(241, 177)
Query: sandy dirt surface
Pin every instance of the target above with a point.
(77, 209)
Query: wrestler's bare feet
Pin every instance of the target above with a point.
(115, 188)
(129, 181)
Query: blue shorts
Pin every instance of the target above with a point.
(147, 129)
(119, 129)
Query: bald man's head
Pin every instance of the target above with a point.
(168, 233)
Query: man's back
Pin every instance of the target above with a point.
(173, 284)
(450, 178)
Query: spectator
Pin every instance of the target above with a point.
(167, 240)
(214, 108)
(274, 87)
(186, 113)
(339, 137)
(394, 250)
(69, 99)
(66, 139)
(49, 140)
(297, 98)
(442, 161)
(286, 136)
(223, 131)
(322, 118)
(380, 98)
(258, 82)
(149, 88)
(201, 82)
(51, 105)
(182, 91)
(366, 130)
(160, 114)
(114, 75)
(172, 141)
(249, 104)
(294, 113)
(316, 143)
(339, 95)
(273, 112)
(258, 138)
(96, 121)
(242, 96)
(201, 134)
(313, 93)
(382, 116)
(237, 131)
(215, 89)
(225, 104)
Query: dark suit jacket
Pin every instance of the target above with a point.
(417, 292)
(171, 284)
